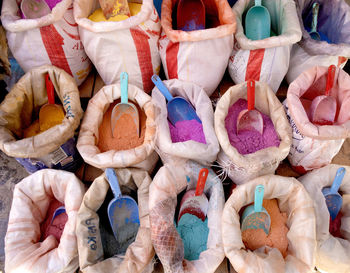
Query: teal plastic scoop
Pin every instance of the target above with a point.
(313, 32)
(257, 22)
(123, 212)
(255, 216)
(333, 198)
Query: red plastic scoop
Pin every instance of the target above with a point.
(194, 201)
(250, 119)
(323, 108)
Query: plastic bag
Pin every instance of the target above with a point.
(139, 254)
(294, 200)
(333, 21)
(51, 39)
(167, 184)
(333, 253)
(314, 146)
(53, 148)
(199, 56)
(171, 152)
(265, 60)
(143, 156)
(31, 200)
(242, 168)
(132, 42)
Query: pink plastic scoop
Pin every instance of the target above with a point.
(323, 108)
(250, 119)
(194, 201)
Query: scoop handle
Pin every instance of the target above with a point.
(162, 88)
(124, 87)
(315, 8)
(113, 182)
(50, 90)
(337, 180)
(330, 78)
(202, 178)
(251, 94)
(257, 3)
(258, 198)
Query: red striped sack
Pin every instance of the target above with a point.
(51, 39)
(130, 45)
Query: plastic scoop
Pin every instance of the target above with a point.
(257, 22)
(255, 216)
(57, 212)
(32, 9)
(323, 108)
(194, 201)
(190, 15)
(122, 210)
(250, 119)
(333, 198)
(50, 114)
(115, 7)
(313, 32)
(125, 107)
(178, 108)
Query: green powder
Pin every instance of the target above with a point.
(194, 234)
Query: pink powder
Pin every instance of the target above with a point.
(248, 142)
(187, 130)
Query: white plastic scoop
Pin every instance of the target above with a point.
(33, 9)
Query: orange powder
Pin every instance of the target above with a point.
(125, 132)
(277, 238)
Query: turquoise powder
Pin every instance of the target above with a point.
(194, 234)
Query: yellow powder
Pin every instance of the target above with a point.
(97, 15)
(32, 130)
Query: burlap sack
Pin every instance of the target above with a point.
(51, 39)
(143, 156)
(333, 21)
(198, 56)
(242, 168)
(31, 200)
(171, 152)
(167, 184)
(294, 200)
(130, 45)
(265, 60)
(314, 146)
(333, 253)
(54, 148)
(138, 257)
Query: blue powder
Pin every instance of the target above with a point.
(194, 234)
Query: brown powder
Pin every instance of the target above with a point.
(125, 132)
(277, 238)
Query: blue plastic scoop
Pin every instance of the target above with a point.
(313, 32)
(178, 108)
(255, 216)
(122, 210)
(333, 198)
(57, 212)
(257, 22)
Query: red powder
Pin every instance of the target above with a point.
(125, 131)
(56, 227)
(277, 238)
(248, 142)
(334, 225)
(187, 130)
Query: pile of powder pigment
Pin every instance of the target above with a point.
(98, 16)
(277, 237)
(55, 227)
(194, 234)
(247, 142)
(187, 130)
(125, 134)
(334, 225)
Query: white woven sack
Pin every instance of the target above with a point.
(51, 39)
(167, 184)
(143, 156)
(130, 45)
(169, 151)
(333, 253)
(265, 60)
(31, 200)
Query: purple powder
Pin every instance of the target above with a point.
(52, 3)
(187, 130)
(248, 142)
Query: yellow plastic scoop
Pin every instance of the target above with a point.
(113, 8)
(50, 114)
